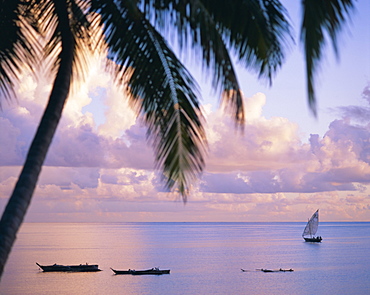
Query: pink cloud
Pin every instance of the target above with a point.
(269, 157)
(104, 167)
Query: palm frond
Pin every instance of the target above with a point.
(258, 31)
(18, 46)
(52, 28)
(197, 28)
(321, 18)
(161, 87)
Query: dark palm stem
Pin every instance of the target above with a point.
(20, 199)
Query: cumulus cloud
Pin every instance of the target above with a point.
(100, 163)
(269, 156)
(264, 144)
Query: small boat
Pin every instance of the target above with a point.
(275, 270)
(151, 271)
(269, 270)
(311, 229)
(78, 268)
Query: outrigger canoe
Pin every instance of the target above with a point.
(269, 270)
(78, 268)
(151, 271)
(276, 270)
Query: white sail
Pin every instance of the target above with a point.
(312, 225)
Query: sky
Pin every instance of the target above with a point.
(286, 164)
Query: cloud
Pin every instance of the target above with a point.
(269, 156)
(359, 114)
(264, 144)
(101, 165)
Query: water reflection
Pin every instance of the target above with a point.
(204, 258)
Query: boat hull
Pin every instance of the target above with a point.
(277, 270)
(313, 240)
(69, 268)
(269, 270)
(121, 272)
(152, 271)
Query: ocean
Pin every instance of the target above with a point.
(204, 258)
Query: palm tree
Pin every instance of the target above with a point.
(257, 32)
(58, 16)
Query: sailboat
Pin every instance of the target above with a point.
(311, 229)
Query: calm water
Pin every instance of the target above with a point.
(204, 258)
